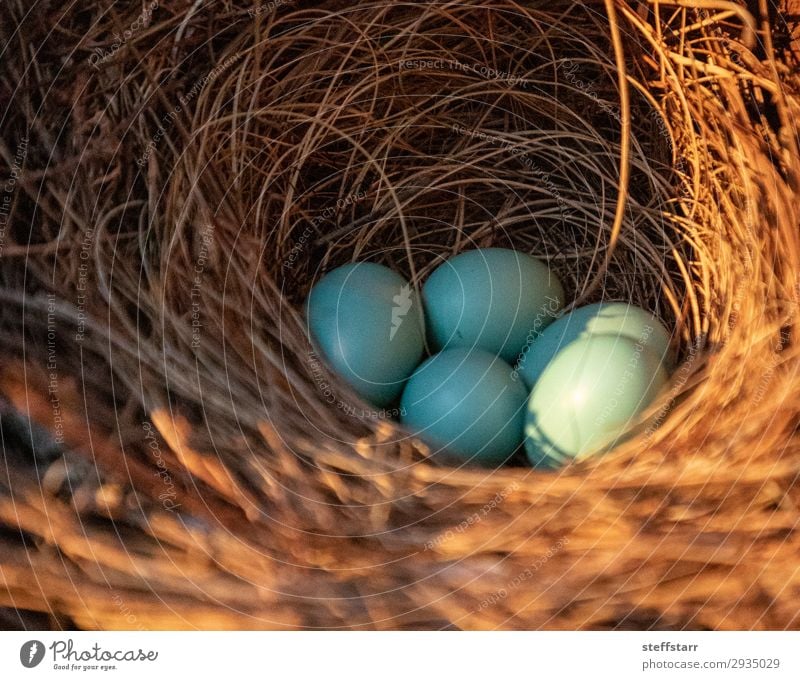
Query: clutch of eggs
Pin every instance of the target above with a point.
(505, 368)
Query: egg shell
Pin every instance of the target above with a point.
(493, 299)
(367, 322)
(608, 318)
(588, 397)
(466, 402)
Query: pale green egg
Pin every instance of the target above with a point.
(588, 398)
(493, 299)
(367, 322)
(607, 318)
(466, 402)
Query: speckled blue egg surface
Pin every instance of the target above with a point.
(608, 318)
(367, 322)
(588, 397)
(493, 299)
(467, 403)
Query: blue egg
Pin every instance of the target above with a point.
(466, 401)
(493, 299)
(608, 318)
(367, 322)
(588, 398)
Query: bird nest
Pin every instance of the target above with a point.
(176, 453)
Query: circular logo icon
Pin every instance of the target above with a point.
(31, 653)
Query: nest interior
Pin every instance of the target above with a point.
(178, 177)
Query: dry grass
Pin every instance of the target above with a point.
(204, 479)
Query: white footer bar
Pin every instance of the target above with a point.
(400, 655)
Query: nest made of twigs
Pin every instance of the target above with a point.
(195, 169)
